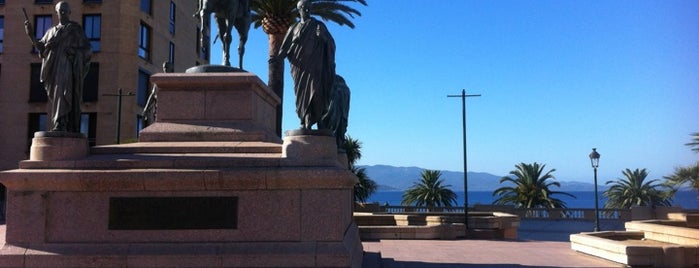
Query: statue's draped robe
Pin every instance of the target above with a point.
(311, 52)
(65, 63)
(338, 111)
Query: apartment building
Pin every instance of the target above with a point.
(130, 40)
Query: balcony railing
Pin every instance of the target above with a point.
(524, 213)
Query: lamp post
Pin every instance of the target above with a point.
(463, 97)
(594, 160)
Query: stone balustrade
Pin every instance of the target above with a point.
(436, 225)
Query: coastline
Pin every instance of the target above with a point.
(687, 199)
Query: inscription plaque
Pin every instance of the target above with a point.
(173, 213)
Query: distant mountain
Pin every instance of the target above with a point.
(390, 178)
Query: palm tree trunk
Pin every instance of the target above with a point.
(276, 75)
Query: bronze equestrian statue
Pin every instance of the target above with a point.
(228, 14)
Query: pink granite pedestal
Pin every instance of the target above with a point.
(212, 107)
(265, 204)
(49, 146)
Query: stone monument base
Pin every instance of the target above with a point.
(213, 68)
(187, 197)
(212, 107)
(58, 145)
(240, 254)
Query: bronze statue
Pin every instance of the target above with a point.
(228, 14)
(311, 52)
(150, 109)
(338, 110)
(65, 52)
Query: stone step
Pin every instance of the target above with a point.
(231, 254)
(239, 147)
(160, 161)
(165, 155)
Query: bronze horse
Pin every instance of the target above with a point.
(228, 14)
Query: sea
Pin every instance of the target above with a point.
(586, 199)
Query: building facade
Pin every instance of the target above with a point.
(131, 39)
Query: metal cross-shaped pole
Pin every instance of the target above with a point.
(119, 96)
(463, 97)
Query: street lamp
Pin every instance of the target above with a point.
(463, 97)
(594, 160)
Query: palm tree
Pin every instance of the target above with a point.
(688, 174)
(634, 190)
(532, 188)
(429, 191)
(275, 17)
(365, 187)
(353, 149)
(684, 175)
(695, 142)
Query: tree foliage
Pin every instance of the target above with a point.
(695, 142)
(531, 188)
(353, 149)
(635, 190)
(686, 175)
(284, 11)
(365, 187)
(429, 191)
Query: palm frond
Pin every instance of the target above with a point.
(684, 175)
(365, 187)
(429, 191)
(635, 190)
(531, 188)
(695, 142)
(353, 149)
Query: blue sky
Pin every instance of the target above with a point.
(557, 78)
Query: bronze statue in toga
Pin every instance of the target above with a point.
(310, 49)
(65, 52)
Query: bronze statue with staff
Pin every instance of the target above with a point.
(65, 54)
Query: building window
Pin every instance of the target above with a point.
(144, 42)
(92, 1)
(37, 93)
(201, 50)
(93, 30)
(37, 122)
(147, 6)
(91, 83)
(2, 2)
(88, 126)
(43, 1)
(171, 54)
(140, 124)
(143, 85)
(42, 23)
(198, 41)
(2, 31)
(173, 11)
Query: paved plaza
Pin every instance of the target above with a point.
(468, 253)
(541, 243)
(475, 253)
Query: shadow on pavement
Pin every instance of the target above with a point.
(374, 260)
